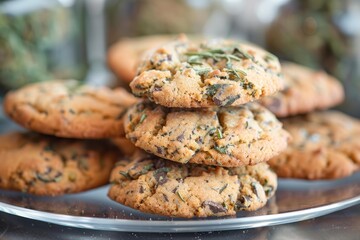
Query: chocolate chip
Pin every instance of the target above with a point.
(214, 207)
(242, 203)
(175, 189)
(274, 104)
(255, 189)
(157, 89)
(166, 198)
(141, 190)
(181, 137)
(160, 150)
(161, 177)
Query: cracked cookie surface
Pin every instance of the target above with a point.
(154, 185)
(125, 54)
(325, 145)
(214, 73)
(45, 165)
(305, 91)
(68, 109)
(231, 136)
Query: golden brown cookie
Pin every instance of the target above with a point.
(305, 90)
(229, 136)
(125, 145)
(45, 165)
(325, 145)
(214, 73)
(125, 54)
(68, 109)
(154, 185)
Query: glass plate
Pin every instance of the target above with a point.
(295, 200)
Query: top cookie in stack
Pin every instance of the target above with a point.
(212, 74)
(206, 89)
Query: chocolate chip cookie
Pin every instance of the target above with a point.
(228, 136)
(45, 165)
(325, 145)
(214, 73)
(158, 186)
(305, 91)
(69, 109)
(125, 54)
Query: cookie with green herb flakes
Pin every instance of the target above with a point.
(228, 136)
(69, 109)
(215, 73)
(45, 165)
(124, 55)
(305, 90)
(325, 145)
(154, 185)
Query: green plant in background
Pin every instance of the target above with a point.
(34, 45)
(305, 32)
(309, 32)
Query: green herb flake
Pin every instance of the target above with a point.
(216, 54)
(143, 117)
(211, 90)
(179, 195)
(146, 168)
(160, 170)
(222, 150)
(241, 54)
(125, 174)
(268, 190)
(58, 178)
(202, 70)
(219, 133)
(223, 188)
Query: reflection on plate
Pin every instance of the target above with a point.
(295, 200)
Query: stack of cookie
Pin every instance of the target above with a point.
(325, 144)
(206, 143)
(72, 157)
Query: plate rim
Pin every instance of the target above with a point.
(166, 226)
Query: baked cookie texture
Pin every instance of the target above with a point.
(69, 109)
(214, 73)
(150, 184)
(125, 145)
(325, 145)
(44, 165)
(305, 90)
(231, 136)
(124, 55)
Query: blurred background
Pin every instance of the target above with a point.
(46, 39)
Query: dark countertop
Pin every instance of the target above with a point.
(340, 225)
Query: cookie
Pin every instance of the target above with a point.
(229, 136)
(44, 165)
(325, 145)
(68, 109)
(125, 145)
(305, 90)
(154, 185)
(214, 73)
(125, 54)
